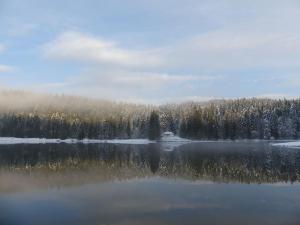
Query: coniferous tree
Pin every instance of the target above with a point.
(154, 126)
(128, 129)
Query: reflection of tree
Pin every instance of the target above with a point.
(222, 163)
(153, 157)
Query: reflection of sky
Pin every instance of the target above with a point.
(156, 201)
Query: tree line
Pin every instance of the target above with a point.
(222, 119)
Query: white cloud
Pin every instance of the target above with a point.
(277, 96)
(269, 39)
(6, 69)
(127, 79)
(249, 42)
(188, 99)
(83, 47)
(20, 29)
(127, 85)
(151, 79)
(1, 48)
(291, 81)
(17, 27)
(236, 49)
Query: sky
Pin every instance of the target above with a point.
(152, 51)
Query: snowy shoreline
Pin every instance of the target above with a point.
(13, 140)
(292, 144)
(174, 140)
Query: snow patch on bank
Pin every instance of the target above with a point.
(294, 144)
(12, 141)
(174, 139)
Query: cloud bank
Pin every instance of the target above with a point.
(6, 69)
(78, 46)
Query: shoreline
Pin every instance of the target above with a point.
(15, 141)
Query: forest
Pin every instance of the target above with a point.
(25, 114)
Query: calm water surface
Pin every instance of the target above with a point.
(237, 183)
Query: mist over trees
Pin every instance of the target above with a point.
(25, 114)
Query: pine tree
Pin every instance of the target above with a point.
(128, 129)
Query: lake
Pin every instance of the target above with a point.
(226, 183)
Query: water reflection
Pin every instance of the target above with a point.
(65, 165)
(200, 183)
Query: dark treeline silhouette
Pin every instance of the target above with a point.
(71, 117)
(243, 119)
(154, 126)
